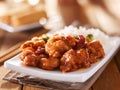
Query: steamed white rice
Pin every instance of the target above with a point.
(71, 30)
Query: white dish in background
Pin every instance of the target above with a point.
(19, 28)
(110, 44)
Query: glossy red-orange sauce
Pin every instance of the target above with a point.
(66, 53)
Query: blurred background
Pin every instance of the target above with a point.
(103, 14)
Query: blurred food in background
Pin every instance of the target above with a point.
(21, 12)
(102, 14)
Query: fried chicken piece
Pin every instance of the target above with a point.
(57, 45)
(29, 58)
(49, 63)
(95, 50)
(73, 60)
(33, 44)
(27, 44)
(83, 56)
(39, 43)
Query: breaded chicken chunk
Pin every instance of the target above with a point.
(95, 51)
(57, 45)
(73, 60)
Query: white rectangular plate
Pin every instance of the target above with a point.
(110, 44)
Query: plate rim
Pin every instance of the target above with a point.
(12, 29)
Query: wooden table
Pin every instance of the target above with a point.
(110, 77)
(108, 80)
